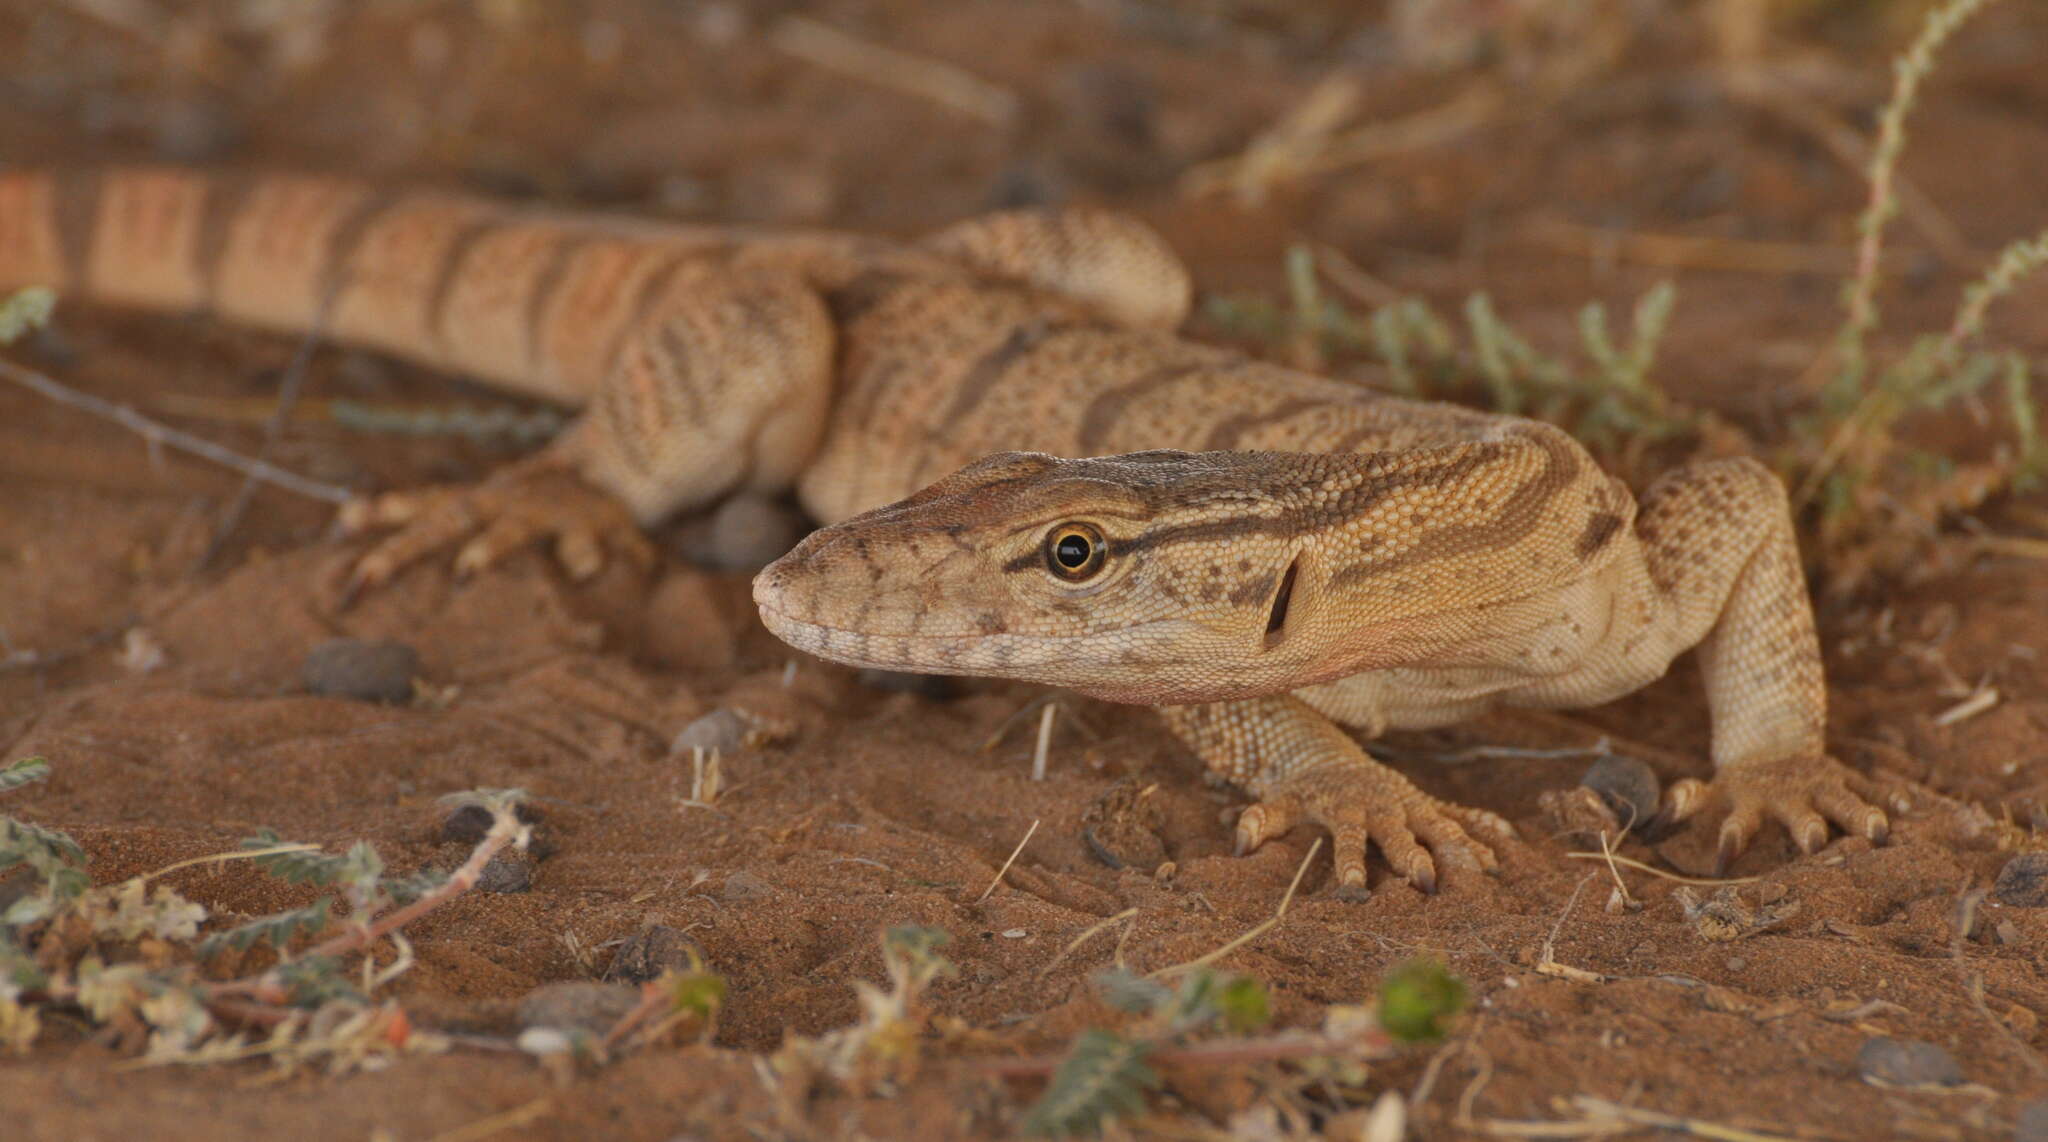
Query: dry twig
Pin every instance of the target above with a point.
(941, 83)
(165, 435)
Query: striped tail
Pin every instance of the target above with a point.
(522, 299)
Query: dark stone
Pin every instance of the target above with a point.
(651, 951)
(2032, 1124)
(2023, 882)
(468, 824)
(1628, 787)
(506, 873)
(363, 670)
(1907, 1062)
(936, 686)
(577, 1006)
(747, 533)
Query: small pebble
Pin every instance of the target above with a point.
(2032, 1124)
(745, 886)
(577, 1006)
(748, 533)
(1629, 787)
(721, 729)
(468, 824)
(902, 682)
(363, 670)
(650, 951)
(2023, 882)
(1737, 963)
(506, 873)
(1907, 1062)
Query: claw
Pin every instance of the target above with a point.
(1364, 804)
(541, 500)
(1731, 846)
(1424, 878)
(1811, 835)
(1806, 795)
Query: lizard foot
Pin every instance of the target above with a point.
(1803, 794)
(1368, 802)
(538, 500)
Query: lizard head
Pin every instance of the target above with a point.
(1166, 577)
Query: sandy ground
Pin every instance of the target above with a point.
(883, 807)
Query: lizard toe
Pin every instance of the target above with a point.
(1368, 805)
(1806, 795)
(1262, 822)
(539, 501)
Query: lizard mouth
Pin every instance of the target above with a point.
(1006, 656)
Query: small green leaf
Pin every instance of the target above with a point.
(315, 868)
(1417, 997)
(1103, 1077)
(24, 772)
(279, 929)
(27, 309)
(1243, 1004)
(1128, 991)
(699, 993)
(406, 889)
(313, 981)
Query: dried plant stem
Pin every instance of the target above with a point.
(222, 858)
(1014, 854)
(163, 434)
(268, 988)
(1861, 301)
(941, 83)
(1255, 932)
(2014, 263)
(1639, 866)
(461, 881)
(1228, 1052)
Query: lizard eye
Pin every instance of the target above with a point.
(1075, 551)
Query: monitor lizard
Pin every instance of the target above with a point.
(1331, 556)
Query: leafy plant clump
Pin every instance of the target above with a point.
(1874, 498)
(1212, 1019)
(129, 956)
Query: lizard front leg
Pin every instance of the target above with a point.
(1717, 544)
(1301, 767)
(723, 387)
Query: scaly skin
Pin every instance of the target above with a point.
(1445, 560)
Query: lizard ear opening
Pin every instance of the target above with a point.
(1276, 619)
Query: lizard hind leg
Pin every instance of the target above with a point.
(722, 387)
(1110, 262)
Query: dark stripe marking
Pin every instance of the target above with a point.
(1227, 433)
(453, 257)
(1106, 411)
(74, 215)
(342, 243)
(225, 196)
(553, 273)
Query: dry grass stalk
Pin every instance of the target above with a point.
(1014, 854)
(165, 436)
(1253, 933)
(1044, 744)
(929, 79)
(1688, 251)
(1910, 70)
